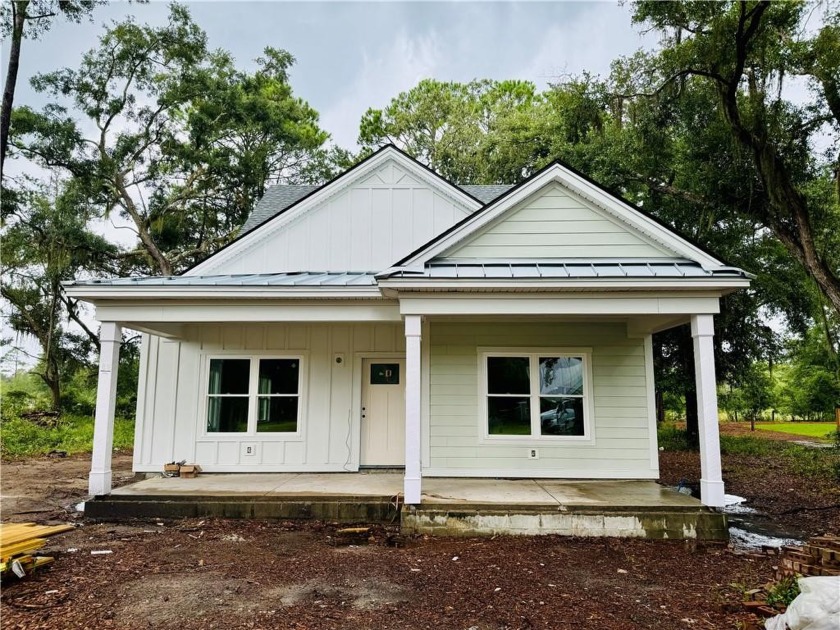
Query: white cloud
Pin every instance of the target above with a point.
(589, 41)
(384, 73)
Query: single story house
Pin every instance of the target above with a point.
(390, 318)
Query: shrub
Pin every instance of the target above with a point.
(72, 433)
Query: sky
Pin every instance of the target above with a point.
(355, 55)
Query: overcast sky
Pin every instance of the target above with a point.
(352, 55)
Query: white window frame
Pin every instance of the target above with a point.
(533, 355)
(253, 398)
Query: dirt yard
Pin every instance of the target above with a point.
(202, 574)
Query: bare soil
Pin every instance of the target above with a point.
(226, 574)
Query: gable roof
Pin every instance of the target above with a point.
(578, 183)
(279, 198)
(337, 183)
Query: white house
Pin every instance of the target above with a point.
(390, 318)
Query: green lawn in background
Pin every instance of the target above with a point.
(818, 430)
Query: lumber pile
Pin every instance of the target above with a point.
(820, 556)
(18, 543)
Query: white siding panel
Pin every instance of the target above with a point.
(163, 407)
(365, 227)
(621, 444)
(554, 224)
(172, 423)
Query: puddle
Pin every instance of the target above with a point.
(750, 529)
(743, 539)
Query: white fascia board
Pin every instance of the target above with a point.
(612, 205)
(586, 284)
(118, 292)
(568, 305)
(343, 182)
(242, 311)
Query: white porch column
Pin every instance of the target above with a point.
(711, 481)
(412, 483)
(110, 338)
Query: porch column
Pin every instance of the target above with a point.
(412, 481)
(110, 338)
(711, 481)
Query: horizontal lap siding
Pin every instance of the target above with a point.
(171, 416)
(557, 224)
(620, 425)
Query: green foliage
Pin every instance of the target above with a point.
(45, 242)
(783, 592)
(72, 433)
(673, 439)
(182, 121)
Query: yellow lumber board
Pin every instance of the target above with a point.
(19, 532)
(9, 551)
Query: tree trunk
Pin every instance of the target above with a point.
(692, 422)
(18, 20)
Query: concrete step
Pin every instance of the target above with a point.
(471, 520)
(346, 509)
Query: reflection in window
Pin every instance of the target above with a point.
(552, 406)
(230, 395)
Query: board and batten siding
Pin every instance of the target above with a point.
(555, 223)
(173, 386)
(365, 227)
(624, 445)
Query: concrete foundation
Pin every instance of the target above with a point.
(449, 506)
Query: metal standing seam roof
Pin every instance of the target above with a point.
(574, 270)
(278, 198)
(297, 279)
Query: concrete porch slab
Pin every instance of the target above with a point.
(450, 506)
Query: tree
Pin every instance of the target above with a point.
(744, 51)
(186, 143)
(20, 18)
(46, 241)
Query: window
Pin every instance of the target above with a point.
(536, 394)
(253, 395)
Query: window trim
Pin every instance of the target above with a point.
(533, 355)
(253, 399)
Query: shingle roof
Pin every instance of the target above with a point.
(278, 198)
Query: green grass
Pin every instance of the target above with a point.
(74, 434)
(817, 430)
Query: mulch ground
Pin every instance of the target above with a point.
(249, 574)
(225, 574)
(798, 503)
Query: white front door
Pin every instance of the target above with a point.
(383, 412)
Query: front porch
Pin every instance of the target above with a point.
(449, 506)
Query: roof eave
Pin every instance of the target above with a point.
(91, 293)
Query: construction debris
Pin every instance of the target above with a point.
(819, 557)
(189, 471)
(19, 542)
